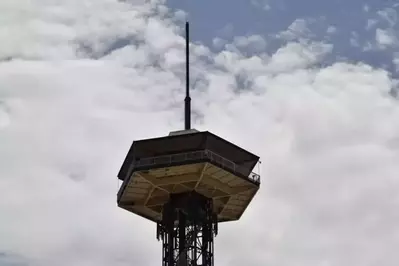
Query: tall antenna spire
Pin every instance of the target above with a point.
(187, 100)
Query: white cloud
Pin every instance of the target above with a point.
(181, 15)
(218, 42)
(354, 39)
(298, 29)
(386, 38)
(396, 61)
(371, 23)
(298, 56)
(331, 29)
(263, 4)
(390, 15)
(386, 35)
(253, 42)
(243, 44)
(328, 138)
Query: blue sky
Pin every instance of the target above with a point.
(211, 19)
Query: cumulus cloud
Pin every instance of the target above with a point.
(79, 80)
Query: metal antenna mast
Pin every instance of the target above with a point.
(187, 100)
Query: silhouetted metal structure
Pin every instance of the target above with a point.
(187, 183)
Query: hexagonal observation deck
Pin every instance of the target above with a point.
(154, 169)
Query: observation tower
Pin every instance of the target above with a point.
(187, 183)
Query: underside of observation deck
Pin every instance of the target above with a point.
(200, 162)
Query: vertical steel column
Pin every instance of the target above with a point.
(187, 231)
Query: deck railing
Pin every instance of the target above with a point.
(198, 155)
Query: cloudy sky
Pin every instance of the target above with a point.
(308, 85)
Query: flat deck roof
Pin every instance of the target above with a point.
(175, 144)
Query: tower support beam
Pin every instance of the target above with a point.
(187, 230)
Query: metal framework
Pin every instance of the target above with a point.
(187, 230)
